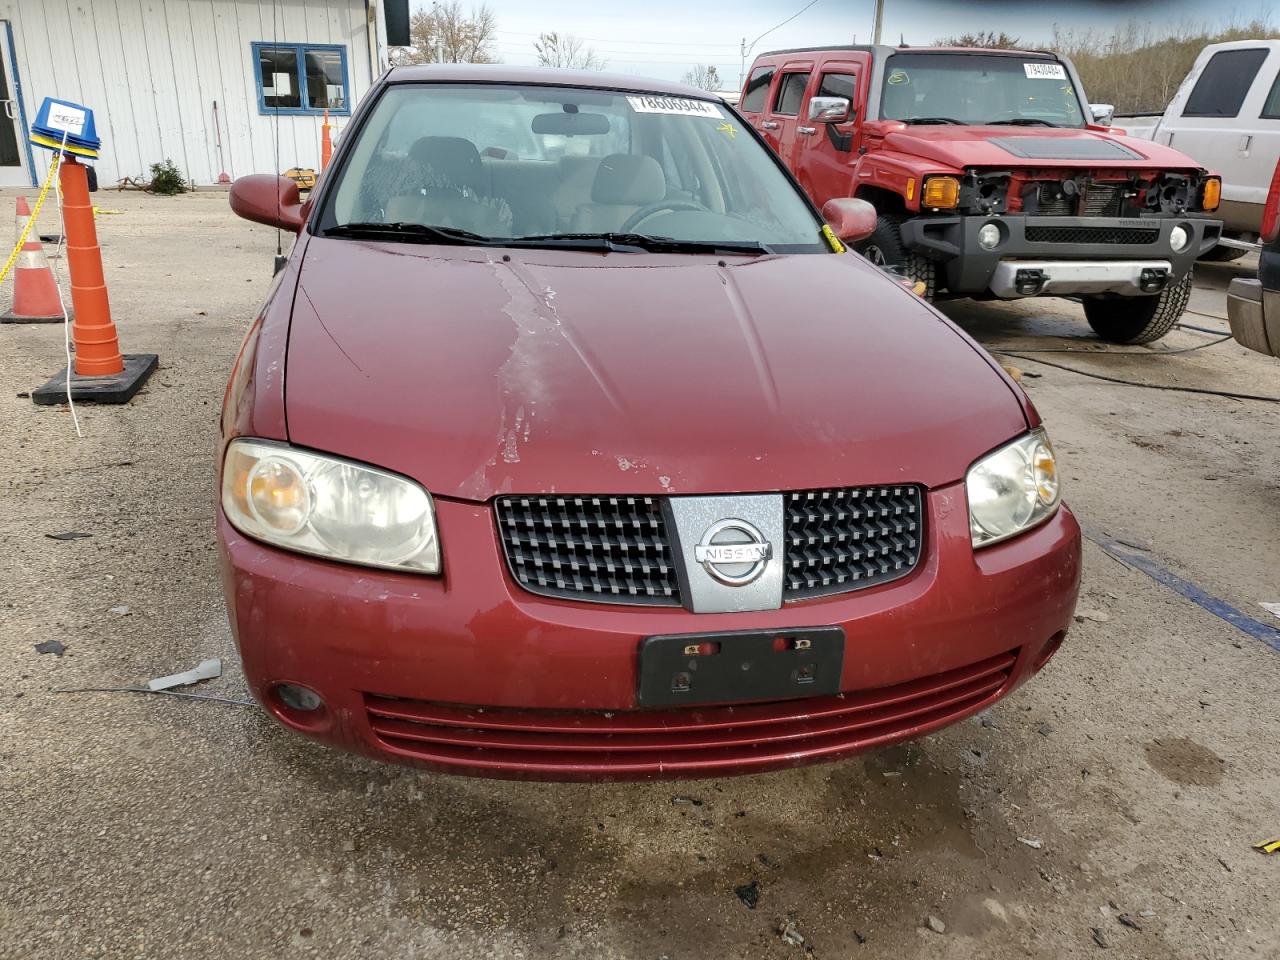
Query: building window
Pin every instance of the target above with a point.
(302, 78)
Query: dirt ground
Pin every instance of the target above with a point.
(1142, 762)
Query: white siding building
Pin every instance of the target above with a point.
(152, 70)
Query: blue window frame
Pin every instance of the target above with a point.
(302, 79)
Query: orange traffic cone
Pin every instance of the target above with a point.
(326, 142)
(101, 374)
(35, 291)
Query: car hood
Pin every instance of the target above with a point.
(565, 372)
(1018, 146)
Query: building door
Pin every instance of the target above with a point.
(13, 149)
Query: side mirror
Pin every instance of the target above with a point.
(851, 220)
(829, 109)
(1103, 113)
(265, 198)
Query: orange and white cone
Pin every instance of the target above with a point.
(35, 291)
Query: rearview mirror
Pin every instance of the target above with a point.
(829, 109)
(266, 198)
(1103, 113)
(571, 124)
(851, 220)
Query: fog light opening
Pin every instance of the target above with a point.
(989, 236)
(1049, 650)
(1179, 237)
(300, 698)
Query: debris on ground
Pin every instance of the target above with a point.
(749, 894)
(204, 670)
(1044, 729)
(934, 924)
(50, 646)
(69, 535)
(1225, 866)
(860, 937)
(1097, 616)
(1031, 842)
(768, 861)
(791, 934)
(1268, 846)
(685, 801)
(1271, 608)
(1098, 938)
(1128, 921)
(122, 610)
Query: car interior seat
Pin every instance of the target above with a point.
(624, 184)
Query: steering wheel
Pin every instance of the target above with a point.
(662, 206)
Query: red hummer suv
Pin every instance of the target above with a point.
(990, 178)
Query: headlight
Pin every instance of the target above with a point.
(1012, 490)
(1178, 238)
(329, 507)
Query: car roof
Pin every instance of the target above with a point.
(885, 50)
(504, 73)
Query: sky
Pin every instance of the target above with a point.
(665, 38)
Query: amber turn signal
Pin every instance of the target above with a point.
(940, 192)
(1212, 194)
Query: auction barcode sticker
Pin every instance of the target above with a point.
(677, 105)
(1045, 71)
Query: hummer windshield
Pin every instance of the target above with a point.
(566, 167)
(976, 88)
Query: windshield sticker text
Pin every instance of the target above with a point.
(675, 105)
(1045, 71)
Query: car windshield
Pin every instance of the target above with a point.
(560, 166)
(974, 88)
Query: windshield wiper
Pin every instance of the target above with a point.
(958, 123)
(613, 242)
(408, 233)
(1023, 122)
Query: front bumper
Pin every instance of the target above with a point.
(470, 674)
(968, 268)
(1254, 314)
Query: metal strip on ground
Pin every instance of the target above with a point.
(1162, 575)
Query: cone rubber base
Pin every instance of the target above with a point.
(116, 388)
(16, 318)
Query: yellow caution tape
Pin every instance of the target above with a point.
(98, 212)
(832, 239)
(31, 220)
(1268, 846)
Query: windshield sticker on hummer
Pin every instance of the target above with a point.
(900, 76)
(676, 105)
(1045, 71)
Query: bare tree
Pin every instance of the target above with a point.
(991, 40)
(566, 50)
(445, 33)
(704, 78)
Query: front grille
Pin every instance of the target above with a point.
(618, 549)
(612, 549)
(1133, 235)
(691, 741)
(846, 539)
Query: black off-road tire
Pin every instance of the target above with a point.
(1138, 319)
(1221, 254)
(884, 249)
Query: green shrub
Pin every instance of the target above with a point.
(167, 179)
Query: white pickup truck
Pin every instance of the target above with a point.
(1226, 116)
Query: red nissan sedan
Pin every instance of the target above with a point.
(572, 444)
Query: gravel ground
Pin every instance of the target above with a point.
(1142, 761)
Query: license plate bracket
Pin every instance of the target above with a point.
(703, 668)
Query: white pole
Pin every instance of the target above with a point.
(878, 22)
